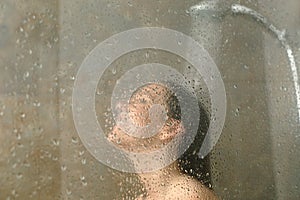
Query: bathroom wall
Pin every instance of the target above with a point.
(29, 133)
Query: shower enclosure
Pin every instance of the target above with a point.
(254, 44)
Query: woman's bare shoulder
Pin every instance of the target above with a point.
(186, 187)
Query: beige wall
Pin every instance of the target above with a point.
(29, 136)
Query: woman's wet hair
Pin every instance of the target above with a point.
(190, 163)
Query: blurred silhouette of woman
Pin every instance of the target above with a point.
(184, 178)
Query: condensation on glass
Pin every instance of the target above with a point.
(43, 43)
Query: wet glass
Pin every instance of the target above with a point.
(254, 44)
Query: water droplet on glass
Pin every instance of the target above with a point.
(36, 103)
(81, 153)
(62, 90)
(84, 183)
(55, 142)
(147, 55)
(118, 141)
(99, 92)
(246, 67)
(49, 45)
(19, 136)
(26, 75)
(282, 88)
(68, 191)
(63, 168)
(55, 39)
(113, 70)
(13, 192)
(237, 112)
(19, 175)
(74, 140)
(22, 115)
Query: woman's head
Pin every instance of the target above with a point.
(150, 95)
(139, 112)
(139, 107)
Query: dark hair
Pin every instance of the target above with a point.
(190, 163)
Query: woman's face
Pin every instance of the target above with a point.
(139, 112)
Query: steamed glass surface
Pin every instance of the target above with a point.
(43, 43)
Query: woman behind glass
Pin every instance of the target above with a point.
(179, 180)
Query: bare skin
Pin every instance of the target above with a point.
(169, 182)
